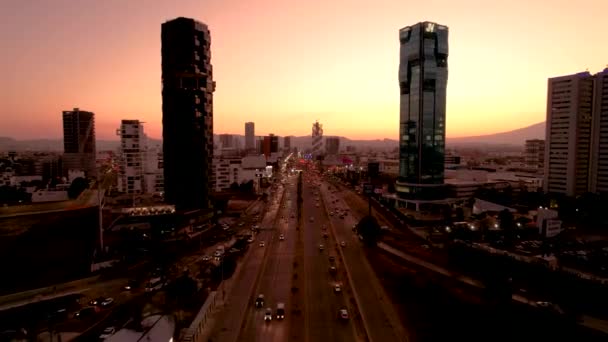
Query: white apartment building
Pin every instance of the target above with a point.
(225, 172)
(132, 142)
(576, 146)
(599, 145)
(153, 169)
(568, 134)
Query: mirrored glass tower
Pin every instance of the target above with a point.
(423, 76)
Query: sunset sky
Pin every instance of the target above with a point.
(285, 63)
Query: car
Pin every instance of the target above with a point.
(85, 312)
(280, 310)
(343, 243)
(130, 285)
(206, 258)
(107, 302)
(312, 219)
(250, 240)
(324, 227)
(268, 315)
(325, 235)
(332, 258)
(96, 301)
(321, 247)
(333, 270)
(331, 213)
(343, 314)
(241, 224)
(262, 244)
(107, 332)
(337, 288)
(259, 302)
(281, 237)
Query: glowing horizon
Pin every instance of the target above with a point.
(284, 64)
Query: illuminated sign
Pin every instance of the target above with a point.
(430, 27)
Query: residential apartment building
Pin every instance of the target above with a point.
(598, 181)
(132, 143)
(568, 134)
(535, 154)
(187, 91)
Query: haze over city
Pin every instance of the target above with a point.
(284, 64)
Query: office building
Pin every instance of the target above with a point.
(423, 76)
(568, 134)
(535, 154)
(187, 91)
(287, 144)
(249, 136)
(132, 143)
(332, 145)
(599, 143)
(79, 142)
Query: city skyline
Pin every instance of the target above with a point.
(260, 87)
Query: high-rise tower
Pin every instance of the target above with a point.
(317, 139)
(79, 141)
(423, 76)
(187, 80)
(249, 136)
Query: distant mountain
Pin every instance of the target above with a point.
(514, 137)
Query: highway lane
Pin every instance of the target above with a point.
(322, 303)
(381, 321)
(276, 278)
(229, 320)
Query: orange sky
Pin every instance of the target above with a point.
(285, 63)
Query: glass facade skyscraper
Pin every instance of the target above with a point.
(423, 76)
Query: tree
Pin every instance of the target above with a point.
(369, 229)
(77, 187)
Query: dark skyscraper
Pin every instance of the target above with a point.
(79, 141)
(187, 80)
(423, 76)
(249, 136)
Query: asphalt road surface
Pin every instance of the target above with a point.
(379, 315)
(322, 303)
(276, 275)
(229, 320)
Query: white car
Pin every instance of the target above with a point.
(107, 302)
(281, 237)
(321, 247)
(343, 243)
(337, 288)
(343, 314)
(206, 258)
(262, 244)
(107, 332)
